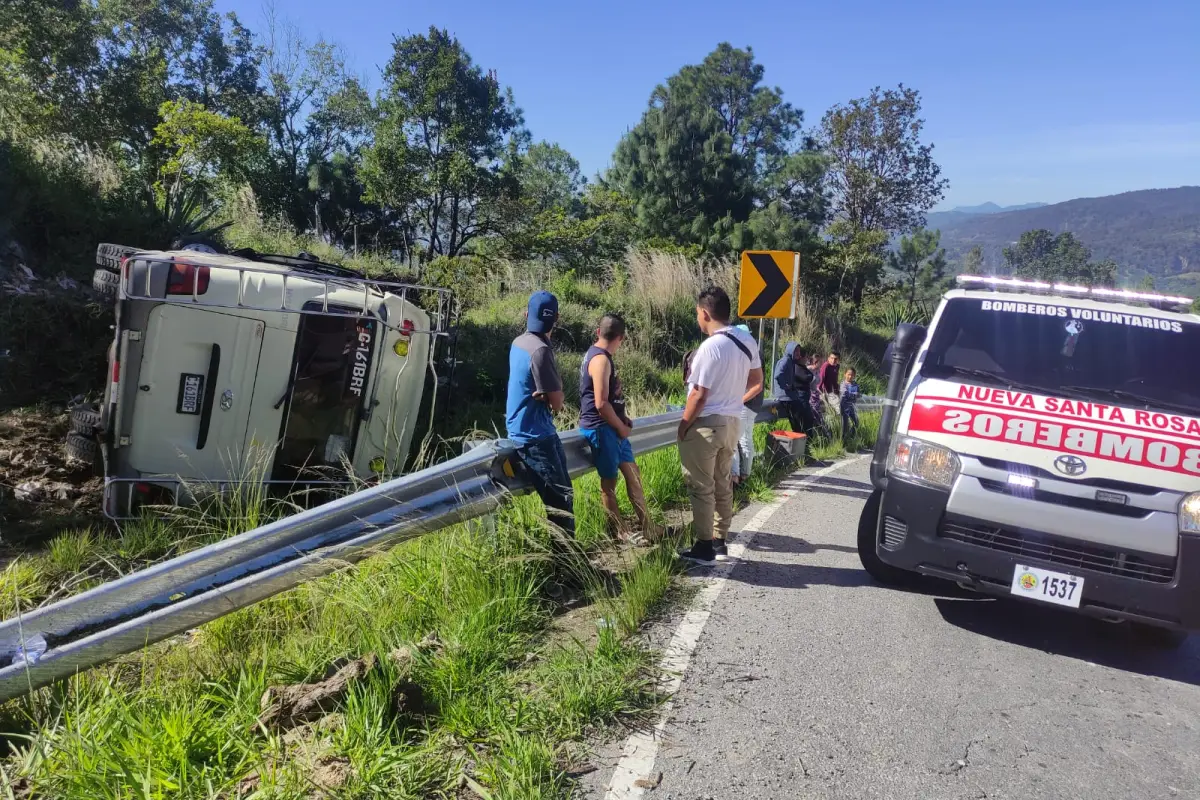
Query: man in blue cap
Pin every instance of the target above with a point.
(535, 392)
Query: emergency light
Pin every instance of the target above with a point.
(1100, 292)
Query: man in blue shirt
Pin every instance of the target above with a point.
(535, 391)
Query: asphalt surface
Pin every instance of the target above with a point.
(811, 681)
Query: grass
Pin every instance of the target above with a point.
(505, 705)
(502, 707)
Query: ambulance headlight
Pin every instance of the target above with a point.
(1189, 514)
(923, 462)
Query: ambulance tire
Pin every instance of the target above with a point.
(1159, 638)
(868, 543)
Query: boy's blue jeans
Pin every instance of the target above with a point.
(849, 420)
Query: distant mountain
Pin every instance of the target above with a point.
(938, 219)
(1152, 232)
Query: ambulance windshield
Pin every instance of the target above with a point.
(1125, 358)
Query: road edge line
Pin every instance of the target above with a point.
(641, 748)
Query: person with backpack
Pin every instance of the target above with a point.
(743, 456)
(724, 369)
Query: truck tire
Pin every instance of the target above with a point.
(1159, 638)
(83, 448)
(868, 543)
(109, 255)
(105, 282)
(86, 419)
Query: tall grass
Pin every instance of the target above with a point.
(503, 705)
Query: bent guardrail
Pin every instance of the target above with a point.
(153, 604)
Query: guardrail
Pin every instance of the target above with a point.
(125, 615)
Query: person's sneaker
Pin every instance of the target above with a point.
(701, 552)
(720, 550)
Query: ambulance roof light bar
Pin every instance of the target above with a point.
(1067, 288)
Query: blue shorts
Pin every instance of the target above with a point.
(609, 451)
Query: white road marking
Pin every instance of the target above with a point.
(641, 749)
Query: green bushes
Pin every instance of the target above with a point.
(59, 205)
(58, 344)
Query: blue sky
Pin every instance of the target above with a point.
(1024, 101)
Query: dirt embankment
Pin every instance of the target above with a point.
(41, 490)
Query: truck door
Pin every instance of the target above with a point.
(194, 389)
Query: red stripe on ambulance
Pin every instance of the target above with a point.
(1084, 440)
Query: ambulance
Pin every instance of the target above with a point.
(1042, 441)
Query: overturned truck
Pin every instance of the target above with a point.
(243, 366)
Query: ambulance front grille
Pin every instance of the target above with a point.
(1061, 551)
(893, 534)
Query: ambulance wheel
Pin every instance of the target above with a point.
(1160, 638)
(868, 543)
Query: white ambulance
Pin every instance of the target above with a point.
(1043, 442)
(229, 367)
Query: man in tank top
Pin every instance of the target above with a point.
(606, 427)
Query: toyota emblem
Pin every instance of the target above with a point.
(1072, 466)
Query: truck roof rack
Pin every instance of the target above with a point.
(304, 262)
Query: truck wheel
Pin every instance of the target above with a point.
(86, 419)
(1162, 638)
(868, 543)
(105, 283)
(83, 448)
(109, 255)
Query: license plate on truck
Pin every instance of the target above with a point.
(1047, 585)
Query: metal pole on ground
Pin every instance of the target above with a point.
(774, 344)
(760, 345)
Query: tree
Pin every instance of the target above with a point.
(1040, 255)
(48, 65)
(973, 261)
(715, 148)
(921, 262)
(199, 148)
(881, 177)
(1147, 284)
(314, 110)
(438, 154)
(549, 177)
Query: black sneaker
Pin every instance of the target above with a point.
(700, 552)
(720, 550)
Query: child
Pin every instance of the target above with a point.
(849, 403)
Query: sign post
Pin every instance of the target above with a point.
(769, 289)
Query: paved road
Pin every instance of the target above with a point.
(810, 681)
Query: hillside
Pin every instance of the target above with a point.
(939, 219)
(1154, 231)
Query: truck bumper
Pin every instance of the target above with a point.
(917, 534)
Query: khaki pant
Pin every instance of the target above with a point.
(706, 453)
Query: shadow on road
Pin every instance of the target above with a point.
(1070, 635)
(859, 490)
(766, 542)
(801, 576)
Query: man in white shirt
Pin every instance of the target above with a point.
(726, 373)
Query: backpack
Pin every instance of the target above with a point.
(755, 404)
